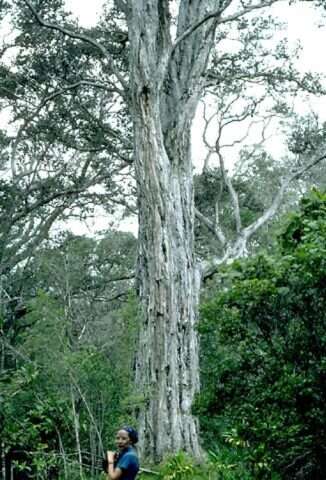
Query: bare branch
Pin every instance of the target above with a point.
(239, 247)
(207, 121)
(40, 233)
(271, 211)
(232, 192)
(246, 10)
(90, 413)
(215, 229)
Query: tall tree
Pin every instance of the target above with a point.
(154, 59)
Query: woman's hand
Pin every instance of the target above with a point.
(113, 473)
(110, 456)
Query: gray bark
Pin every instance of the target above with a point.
(165, 90)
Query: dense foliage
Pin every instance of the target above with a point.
(66, 371)
(264, 352)
(68, 328)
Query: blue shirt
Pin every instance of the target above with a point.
(128, 463)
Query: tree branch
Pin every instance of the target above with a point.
(82, 37)
(232, 192)
(214, 228)
(42, 104)
(216, 14)
(238, 248)
(270, 212)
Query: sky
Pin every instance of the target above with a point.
(86, 10)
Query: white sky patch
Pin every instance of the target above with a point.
(304, 25)
(87, 11)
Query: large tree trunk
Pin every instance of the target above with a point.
(167, 370)
(167, 366)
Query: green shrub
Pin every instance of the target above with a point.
(263, 355)
(178, 467)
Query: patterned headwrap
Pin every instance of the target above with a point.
(133, 434)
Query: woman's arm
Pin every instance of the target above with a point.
(113, 473)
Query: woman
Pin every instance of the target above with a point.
(124, 464)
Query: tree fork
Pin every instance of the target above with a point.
(163, 106)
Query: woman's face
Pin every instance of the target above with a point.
(122, 439)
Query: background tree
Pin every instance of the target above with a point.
(67, 354)
(252, 184)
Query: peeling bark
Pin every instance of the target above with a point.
(165, 93)
(167, 365)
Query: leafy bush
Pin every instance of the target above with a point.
(263, 354)
(178, 467)
(224, 464)
(53, 390)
